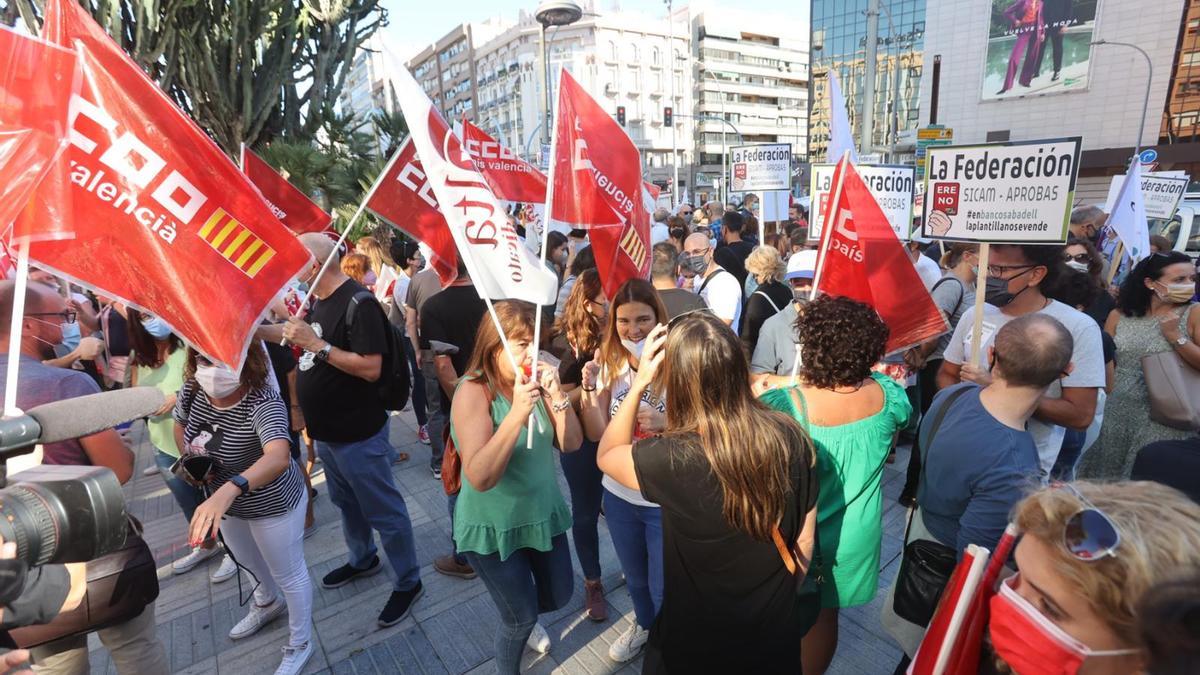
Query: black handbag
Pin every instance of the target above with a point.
(926, 566)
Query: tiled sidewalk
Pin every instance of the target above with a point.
(452, 625)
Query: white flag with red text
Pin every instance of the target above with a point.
(500, 266)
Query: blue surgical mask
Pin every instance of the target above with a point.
(71, 336)
(156, 327)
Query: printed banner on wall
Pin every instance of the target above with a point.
(1037, 47)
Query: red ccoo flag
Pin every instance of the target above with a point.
(160, 217)
(596, 180)
(863, 260)
(292, 207)
(405, 200)
(36, 86)
(511, 178)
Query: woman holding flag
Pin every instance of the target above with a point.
(510, 519)
(853, 416)
(634, 522)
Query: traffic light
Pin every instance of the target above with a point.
(667, 115)
(621, 115)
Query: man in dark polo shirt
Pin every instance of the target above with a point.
(338, 392)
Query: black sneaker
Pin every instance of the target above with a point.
(436, 471)
(398, 605)
(345, 574)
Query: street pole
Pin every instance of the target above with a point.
(934, 88)
(724, 144)
(671, 74)
(545, 90)
(1149, 78)
(867, 127)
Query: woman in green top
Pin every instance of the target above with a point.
(511, 520)
(853, 416)
(158, 358)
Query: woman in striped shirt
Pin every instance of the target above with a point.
(255, 492)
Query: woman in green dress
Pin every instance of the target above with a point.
(853, 416)
(510, 519)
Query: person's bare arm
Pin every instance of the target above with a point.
(363, 366)
(949, 374)
(206, 521)
(107, 449)
(807, 540)
(485, 451)
(272, 332)
(1074, 410)
(446, 375)
(410, 326)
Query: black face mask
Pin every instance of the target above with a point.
(996, 290)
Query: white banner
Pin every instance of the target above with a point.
(1161, 193)
(766, 166)
(498, 264)
(891, 185)
(1016, 192)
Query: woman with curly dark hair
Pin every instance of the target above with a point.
(1154, 314)
(1082, 255)
(853, 416)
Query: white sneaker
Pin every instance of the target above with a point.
(226, 571)
(294, 659)
(538, 640)
(629, 644)
(151, 470)
(197, 556)
(256, 618)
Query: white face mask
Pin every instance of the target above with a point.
(216, 381)
(1076, 265)
(634, 348)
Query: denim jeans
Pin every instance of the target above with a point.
(435, 413)
(360, 482)
(637, 536)
(528, 583)
(418, 384)
(186, 496)
(583, 478)
(1068, 456)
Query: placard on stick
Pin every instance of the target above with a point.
(1017, 192)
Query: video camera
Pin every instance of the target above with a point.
(66, 514)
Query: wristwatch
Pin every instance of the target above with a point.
(1181, 340)
(322, 354)
(241, 483)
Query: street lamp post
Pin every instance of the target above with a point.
(1149, 78)
(724, 144)
(670, 58)
(552, 13)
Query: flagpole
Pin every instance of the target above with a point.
(14, 332)
(349, 226)
(537, 319)
(827, 232)
(980, 298)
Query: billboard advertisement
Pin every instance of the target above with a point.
(1037, 47)
(1014, 193)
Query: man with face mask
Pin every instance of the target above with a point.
(719, 288)
(775, 353)
(1015, 277)
(338, 394)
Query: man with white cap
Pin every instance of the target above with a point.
(775, 353)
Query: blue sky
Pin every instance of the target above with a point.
(414, 23)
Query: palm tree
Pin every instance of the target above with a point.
(390, 127)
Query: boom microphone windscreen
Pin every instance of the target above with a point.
(86, 415)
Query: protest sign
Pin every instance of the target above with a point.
(1161, 193)
(1016, 193)
(765, 166)
(892, 187)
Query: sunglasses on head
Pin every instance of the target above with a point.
(678, 317)
(1090, 534)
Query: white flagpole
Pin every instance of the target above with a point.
(14, 332)
(349, 226)
(827, 228)
(537, 319)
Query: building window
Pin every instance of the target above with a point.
(656, 57)
(634, 54)
(1189, 59)
(612, 50)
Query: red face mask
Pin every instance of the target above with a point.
(1030, 643)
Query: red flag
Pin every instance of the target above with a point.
(596, 181)
(292, 207)
(404, 198)
(36, 86)
(511, 178)
(160, 217)
(863, 260)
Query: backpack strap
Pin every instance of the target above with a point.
(768, 299)
(720, 270)
(359, 298)
(962, 291)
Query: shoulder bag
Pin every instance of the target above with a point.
(1173, 386)
(926, 565)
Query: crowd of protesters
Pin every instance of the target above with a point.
(728, 428)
